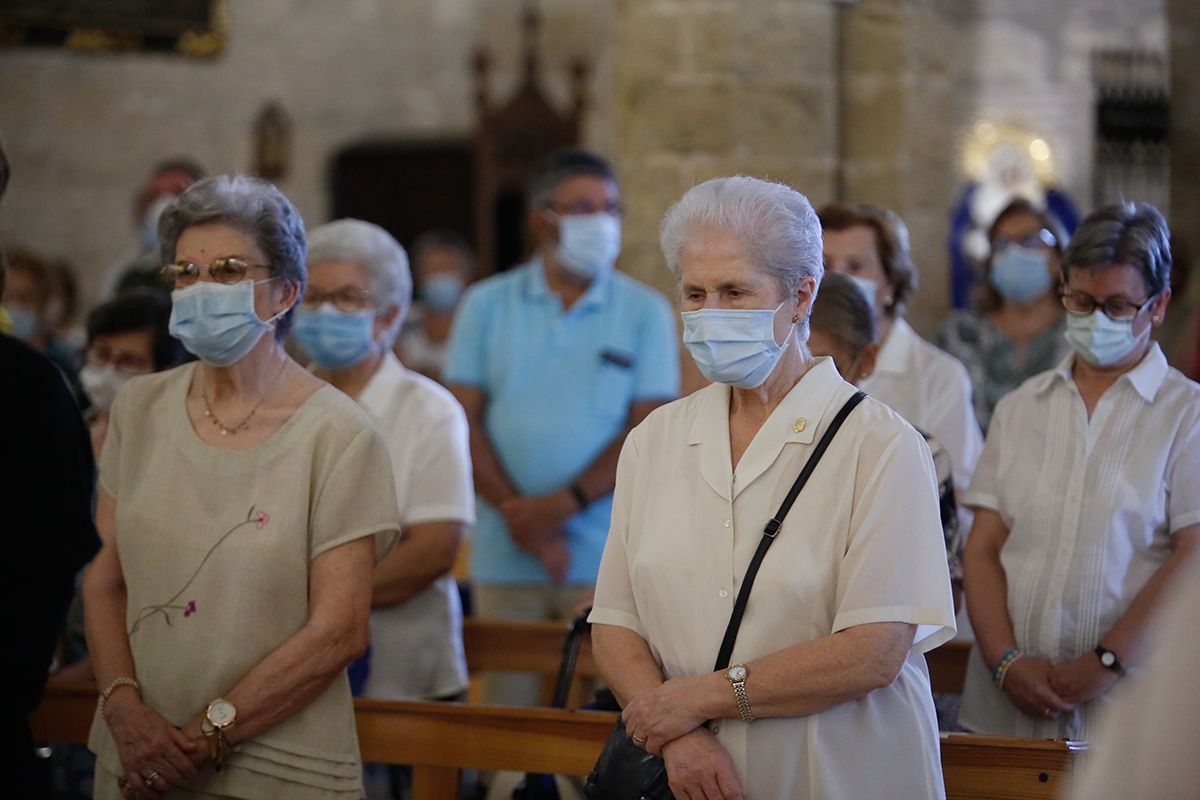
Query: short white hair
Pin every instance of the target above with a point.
(775, 226)
(381, 257)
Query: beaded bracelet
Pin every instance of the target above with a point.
(1007, 660)
(117, 683)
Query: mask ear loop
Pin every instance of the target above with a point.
(271, 320)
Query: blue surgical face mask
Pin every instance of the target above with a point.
(335, 339)
(441, 292)
(217, 322)
(24, 322)
(1021, 274)
(1100, 340)
(588, 244)
(734, 346)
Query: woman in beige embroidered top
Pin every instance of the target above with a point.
(243, 506)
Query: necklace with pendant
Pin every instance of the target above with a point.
(241, 426)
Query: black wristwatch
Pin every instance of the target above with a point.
(1109, 660)
(581, 498)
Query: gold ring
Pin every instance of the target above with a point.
(639, 740)
(151, 778)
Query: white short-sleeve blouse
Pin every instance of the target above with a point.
(1091, 506)
(862, 544)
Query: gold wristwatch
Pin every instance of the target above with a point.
(218, 718)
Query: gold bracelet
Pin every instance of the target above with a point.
(117, 683)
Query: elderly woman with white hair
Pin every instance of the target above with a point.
(1086, 501)
(243, 505)
(359, 290)
(827, 694)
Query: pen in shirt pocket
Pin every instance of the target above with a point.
(617, 358)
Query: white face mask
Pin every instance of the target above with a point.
(101, 382)
(1100, 340)
(588, 244)
(734, 346)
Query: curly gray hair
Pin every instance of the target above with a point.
(378, 253)
(254, 207)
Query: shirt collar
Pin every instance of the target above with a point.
(896, 353)
(597, 294)
(797, 419)
(380, 392)
(1146, 378)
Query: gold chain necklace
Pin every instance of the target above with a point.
(241, 426)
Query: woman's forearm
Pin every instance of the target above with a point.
(425, 552)
(1127, 638)
(301, 668)
(624, 660)
(986, 587)
(104, 621)
(290, 678)
(814, 676)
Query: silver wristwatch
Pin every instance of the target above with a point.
(737, 678)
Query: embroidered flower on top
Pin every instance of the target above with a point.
(258, 519)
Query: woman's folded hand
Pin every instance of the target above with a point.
(699, 768)
(147, 743)
(1027, 685)
(666, 712)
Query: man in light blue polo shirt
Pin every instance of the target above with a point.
(555, 361)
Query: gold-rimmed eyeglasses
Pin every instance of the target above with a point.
(227, 270)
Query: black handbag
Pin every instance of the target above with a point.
(624, 770)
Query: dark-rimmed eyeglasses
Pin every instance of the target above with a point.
(1118, 309)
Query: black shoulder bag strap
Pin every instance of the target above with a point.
(772, 530)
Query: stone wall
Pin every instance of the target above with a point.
(682, 90)
(83, 129)
(704, 89)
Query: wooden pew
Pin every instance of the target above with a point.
(512, 646)
(493, 644)
(439, 739)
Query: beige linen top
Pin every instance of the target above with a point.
(862, 544)
(215, 547)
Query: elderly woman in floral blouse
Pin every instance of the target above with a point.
(243, 504)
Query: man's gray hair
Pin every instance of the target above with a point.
(253, 206)
(1130, 234)
(776, 226)
(378, 253)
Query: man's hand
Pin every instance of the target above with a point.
(535, 523)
